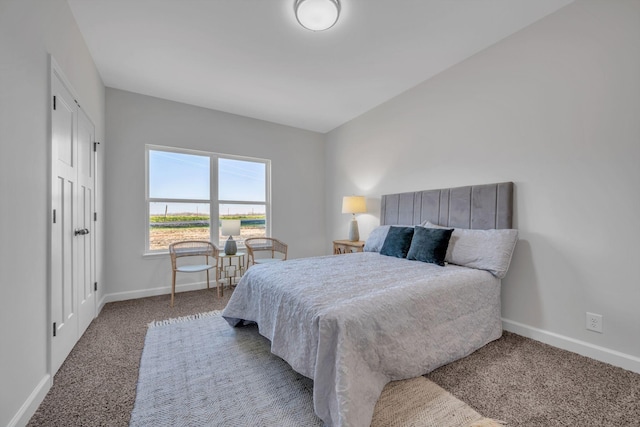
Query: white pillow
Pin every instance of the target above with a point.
(489, 250)
(376, 239)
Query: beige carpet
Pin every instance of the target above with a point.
(198, 371)
(514, 379)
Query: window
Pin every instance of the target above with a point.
(186, 188)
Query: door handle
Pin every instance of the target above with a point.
(81, 232)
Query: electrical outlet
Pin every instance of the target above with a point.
(594, 322)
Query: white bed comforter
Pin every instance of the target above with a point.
(354, 322)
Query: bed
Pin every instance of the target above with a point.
(355, 322)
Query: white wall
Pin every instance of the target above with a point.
(133, 120)
(556, 109)
(29, 31)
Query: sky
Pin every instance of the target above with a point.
(186, 176)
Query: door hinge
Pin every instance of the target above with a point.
(95, 286)
(54, 329)
(54, 216)
(95, 216)
(95, 146)
(54, 102)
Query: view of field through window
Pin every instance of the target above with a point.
(194, 226)
(180, 204)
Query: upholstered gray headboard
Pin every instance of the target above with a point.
(477, 206)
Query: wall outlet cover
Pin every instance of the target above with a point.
(594, 322)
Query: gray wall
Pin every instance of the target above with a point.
(297, 182)
(29, 31)
(556, 109)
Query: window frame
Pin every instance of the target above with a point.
(213, 201)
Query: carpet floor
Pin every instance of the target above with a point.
(514, 379)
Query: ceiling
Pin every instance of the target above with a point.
(252, 58)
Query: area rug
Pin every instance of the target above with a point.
(198, 371)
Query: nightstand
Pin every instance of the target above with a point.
(347, 246)
(231, 270)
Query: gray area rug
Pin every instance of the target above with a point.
(198, 371)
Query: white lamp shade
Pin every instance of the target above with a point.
(354, 204)
(317, 15)
(230, 227)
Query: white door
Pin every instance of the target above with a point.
(64, 280)
(85, 259)
(73, 301)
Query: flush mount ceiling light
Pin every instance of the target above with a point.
(317, 15)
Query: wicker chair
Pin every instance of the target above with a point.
(193, 248)
(275, 250)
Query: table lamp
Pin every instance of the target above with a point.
(354, 205)
(230, 227)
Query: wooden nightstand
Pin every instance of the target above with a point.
(347, 246)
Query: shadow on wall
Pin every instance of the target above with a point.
(522, 284)
(522, 281)
(370, 220)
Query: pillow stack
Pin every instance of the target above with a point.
(489, 250)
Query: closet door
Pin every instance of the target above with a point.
(72, 281)
(64, 204)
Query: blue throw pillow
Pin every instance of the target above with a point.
(429, 245)
(397, 242)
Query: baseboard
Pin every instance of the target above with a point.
(30, 405)
(101, 304)
(603, 354)
(152, 292)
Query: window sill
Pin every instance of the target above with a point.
(152, 255)
(164, 254)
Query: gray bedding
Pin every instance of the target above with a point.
(354, 322)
